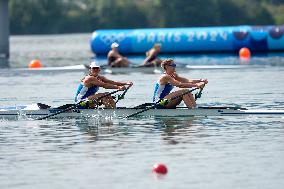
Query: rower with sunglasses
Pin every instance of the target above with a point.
(168, 80)
(89, 86)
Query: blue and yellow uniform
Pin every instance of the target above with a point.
(161, 91)
(84, 92)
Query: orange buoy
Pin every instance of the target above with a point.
(160, 168)
(35, 64)
(244, 53)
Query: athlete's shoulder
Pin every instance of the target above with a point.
(89, 78)
(110, 52)
(165, 76)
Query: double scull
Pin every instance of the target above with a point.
(34, 112)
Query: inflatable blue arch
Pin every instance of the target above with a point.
(186, 40)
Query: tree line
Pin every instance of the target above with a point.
(73, 16)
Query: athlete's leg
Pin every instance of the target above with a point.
(93, 100)
(124, 62)
(187, 98)
(189, 101)
(177, 101)
(108, 102)
(120, 62)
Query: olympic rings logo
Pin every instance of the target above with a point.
(108, 39)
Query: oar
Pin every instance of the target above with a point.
(82, 103)
(162, 102)
(198, 95)
(120, 97)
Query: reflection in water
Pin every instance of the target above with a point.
(94, 127)
(173, 127)
(100, 129)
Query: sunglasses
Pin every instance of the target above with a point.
(95, 68)
(172, 65)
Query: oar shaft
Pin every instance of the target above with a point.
(59, 112)
(122, 95)
(141, 111)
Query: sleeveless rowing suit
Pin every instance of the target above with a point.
(161, 91)
(153, 57)
(84, 92)
(111, 59)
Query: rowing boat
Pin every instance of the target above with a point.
(116, 70)
(34, 112)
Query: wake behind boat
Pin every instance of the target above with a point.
(36, 111)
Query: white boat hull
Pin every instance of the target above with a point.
(123, 112)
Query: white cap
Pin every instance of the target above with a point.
(94, 65)
(114, 45)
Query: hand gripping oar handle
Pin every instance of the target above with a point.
(75, 105)
(162, 102)
(120, 97)
(198, 95)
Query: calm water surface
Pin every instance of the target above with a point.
(212, 152)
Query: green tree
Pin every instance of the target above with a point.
(66, 16)
(32, 16)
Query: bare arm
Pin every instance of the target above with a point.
(115, 82)
(185, 80)
(89, 81)
(177, 83)
(109, 57)
(181, 79)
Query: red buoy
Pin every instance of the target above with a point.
(244, 53)
(35, 64)
(160, 168)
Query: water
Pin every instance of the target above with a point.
(212, 152)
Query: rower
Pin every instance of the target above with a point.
(168, 80)
(152, 56)
(115, 59)
(89, 86)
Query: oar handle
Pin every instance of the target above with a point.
(120, 97)
(198, 95)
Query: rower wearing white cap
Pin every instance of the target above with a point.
(115, 59)
(89, 86)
